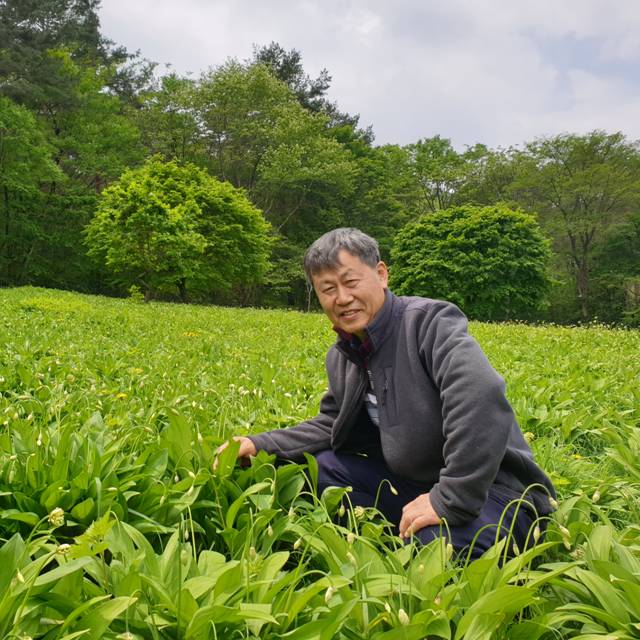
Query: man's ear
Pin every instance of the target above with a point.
(383, 273)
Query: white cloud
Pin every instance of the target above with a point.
(492, 71)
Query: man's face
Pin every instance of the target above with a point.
(352, 293)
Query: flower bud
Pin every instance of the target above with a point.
(56, 517)
(403, 618)
(536, 533)
(329, 594)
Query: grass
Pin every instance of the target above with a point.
(112, 524)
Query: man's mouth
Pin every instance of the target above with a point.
(350, 313)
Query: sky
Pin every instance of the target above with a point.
(500, 72)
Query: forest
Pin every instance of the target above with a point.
(86, 126)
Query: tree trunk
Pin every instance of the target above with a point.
(182, 288)
(7, 249)
(582, 285)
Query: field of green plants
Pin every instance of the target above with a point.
(113, 524)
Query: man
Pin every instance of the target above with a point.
(412, 400)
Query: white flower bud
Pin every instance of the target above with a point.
(351, 537)
(351, 558)
(297, 543)
(329, 594)
(596, 496)
(63, 549)
(56, 517)
(536, 533)
(403, 618)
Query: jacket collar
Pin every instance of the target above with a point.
(376, 331)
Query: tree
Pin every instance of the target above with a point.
(491, 261)
(25, 163)
(168, 227)
(580, 186)
(287, 67)
(168, 121)
(443, 175)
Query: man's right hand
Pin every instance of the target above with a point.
(247, 449)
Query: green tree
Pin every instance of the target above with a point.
(256, 134)
(25, 164)
(616, 273)
(581, 187)
(168, 121)
(442, 175)
(166, 227)
(311, 93)
(491, 261)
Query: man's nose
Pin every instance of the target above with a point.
(343, 295)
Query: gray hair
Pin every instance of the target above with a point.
(323, 253)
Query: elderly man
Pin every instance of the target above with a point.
(411, 400)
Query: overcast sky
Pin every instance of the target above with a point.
(494, 71)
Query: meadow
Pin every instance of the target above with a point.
(113, 524)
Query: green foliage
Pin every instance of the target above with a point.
(580, 187)
(491, 261)
(25, 164)
(113, 525)
(167, 226)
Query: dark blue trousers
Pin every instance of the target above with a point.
(366, 476)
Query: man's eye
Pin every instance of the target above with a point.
(328, 290)
(351, 283)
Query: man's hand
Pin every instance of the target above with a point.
(416, 515)
(247, 449)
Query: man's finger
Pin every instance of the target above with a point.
(420, 522)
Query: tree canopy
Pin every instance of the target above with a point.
(79, 111)
(490, 261)
(167, 227)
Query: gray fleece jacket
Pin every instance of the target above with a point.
(444, 418)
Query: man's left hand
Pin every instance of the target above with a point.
(416, 515)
